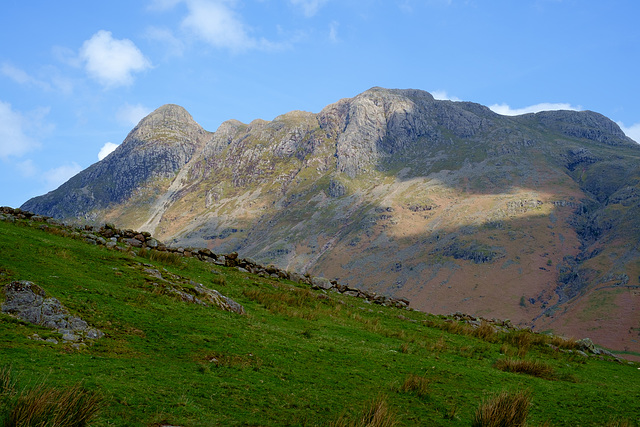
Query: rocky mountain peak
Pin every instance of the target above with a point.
(168, 124)
(166, 115)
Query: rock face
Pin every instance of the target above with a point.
(29, 302)
(157, 148)
(448, 204)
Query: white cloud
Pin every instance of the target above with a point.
(57, 176)
(443, 96)
(130, 115)
(506, 110)
(110, 61)
(173, 45)
(20, 76)
(52, 80)
(632, 131)
(333, 31)
(309, 7)
(14, 140)
(217, 24)
(106, 150)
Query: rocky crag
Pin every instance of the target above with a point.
(447, 204)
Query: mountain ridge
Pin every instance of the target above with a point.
(446, 203)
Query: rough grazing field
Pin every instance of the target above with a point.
(298, 357)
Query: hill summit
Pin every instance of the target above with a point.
(448, 204)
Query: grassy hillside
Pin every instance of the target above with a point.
(298, 357)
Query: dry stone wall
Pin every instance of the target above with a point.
(112, 237)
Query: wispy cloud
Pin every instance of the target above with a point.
(214, 22)
(49, 179)
(333, 31)
(14, 138)
(53, 178)
(22, 77)
(174, 46)
(130, 115)
(219, 25)
(110, 61)
(52, 81)
(632, 131)
(309, 7)
(506, 110)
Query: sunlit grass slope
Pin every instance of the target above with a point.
(298, 357)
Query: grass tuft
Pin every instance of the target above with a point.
(375, 414)
(47, 406)
(415, 384)
(507, 409)
(535, 368)
(167, 258)
(485, 332)
(7, 381)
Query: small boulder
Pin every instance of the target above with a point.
(321, 283)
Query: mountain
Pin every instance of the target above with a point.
(532, 218)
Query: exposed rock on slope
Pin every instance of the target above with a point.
(532, 218)
(29, 302)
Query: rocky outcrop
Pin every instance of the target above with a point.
(382, 122)
(189, 291)
(29, 302)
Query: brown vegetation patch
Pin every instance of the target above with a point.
(507, 409)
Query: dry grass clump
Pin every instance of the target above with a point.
(376, 413)
(564, 343)
(507, 409)
(415, 384)
(522, 340)
(167, 258)
(7, 382)
(535, 368)
(237, 361)
(58, 231)
(485, 332)
(294, 302)
(48, 406)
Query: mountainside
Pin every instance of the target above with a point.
(532, 218)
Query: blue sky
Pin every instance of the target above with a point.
(76, 76)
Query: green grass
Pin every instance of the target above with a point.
(299, 357)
